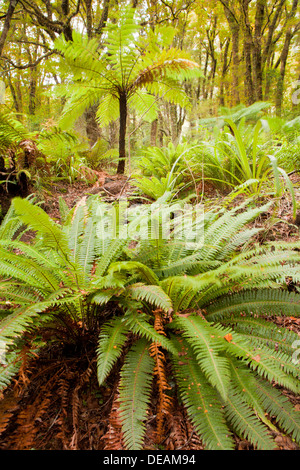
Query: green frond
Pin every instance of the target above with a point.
(22, 319)
(144, 104)
(259, 302)
(135, 267)
(113, 249)
(108, 110)
(112, 338)
(261, 330)
(207, 346)
(246, 424)
(245, 384)
(135, 393)
(137, 323)
(264, 361)
(202, 401)
(278, 405)
(150, 294)
(40, 222)
(9, 367)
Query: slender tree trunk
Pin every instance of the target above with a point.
(283, 60)
(224, 70)
(8, 17)
(257, 50)
(249, 90)
(122, 133)
(153, 133)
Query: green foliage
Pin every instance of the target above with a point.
(239, 160)
(199, 297)
(167, 169)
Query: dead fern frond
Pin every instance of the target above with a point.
(113, 438)
(164, 401)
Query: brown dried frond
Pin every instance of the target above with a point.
(113, 438)
(7, 410)
(164, 402)
(29, 419)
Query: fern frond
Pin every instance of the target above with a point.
(266, 301)
(136, 267)
(279, 406)
(112, 338)
(207, 345)
(246, 424)
(138, 324)
(150, 294)
(39, 221)
(135, 390)
(9, 367)
(201, 400)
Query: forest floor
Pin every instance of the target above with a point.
(55, 402)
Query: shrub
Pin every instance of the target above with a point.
(197, 301)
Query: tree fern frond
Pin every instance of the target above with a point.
(135, 390)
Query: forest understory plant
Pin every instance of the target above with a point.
(187, 313)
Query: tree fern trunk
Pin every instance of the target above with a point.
(122, 133)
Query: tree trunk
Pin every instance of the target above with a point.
(234, 26)
(224, 71)
(283, 60)
(257, 50)
(249, 90)
(153, 133)
(8, 17)
(122, 133)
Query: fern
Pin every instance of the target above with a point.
(135, 390)
(202, 401)
(111, 341)
(207, 352)
(169, 315)
(245, 423)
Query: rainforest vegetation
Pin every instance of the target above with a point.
(149, 225)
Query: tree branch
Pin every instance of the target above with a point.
(34, 64)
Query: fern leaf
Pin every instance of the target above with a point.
(111, 341)
(150, 294)
(39, 221)
(135, 390)
(202, 401)
(207, 345)
(246, 424)
(141, 269)
(277, 405)
(264, 301)
(139, 325)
